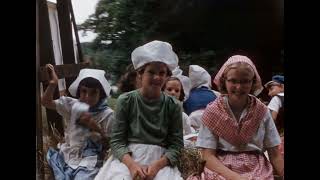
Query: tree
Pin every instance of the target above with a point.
(202, 32)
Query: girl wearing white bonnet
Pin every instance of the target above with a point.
(88, 125)
(178, 86)
(237, 128)
(147, 131)
(201, 93)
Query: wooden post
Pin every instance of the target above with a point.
(63, 9)
(39, 149)
(76, 32)
(46, 56)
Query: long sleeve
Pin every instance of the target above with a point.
(175, 136)
(120, 126)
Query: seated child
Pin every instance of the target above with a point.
(147, 133)
(88, 124)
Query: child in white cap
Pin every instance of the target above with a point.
(276, 92)
(88, 124)
(276, 105)
(173, 87)
(200, 95)
(147, 132)
(179, 86)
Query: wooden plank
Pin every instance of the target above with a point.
(62, 71)
(65, 32)
(45, 39)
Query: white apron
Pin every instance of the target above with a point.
(144, 154)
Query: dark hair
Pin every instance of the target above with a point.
(91, 82)
(181, 97)
(142, 68)
(128, 81)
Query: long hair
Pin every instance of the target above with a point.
(128, 81)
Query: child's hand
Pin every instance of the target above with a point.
(86, 120)
(137, 171)
(151, 171)
(52, 74)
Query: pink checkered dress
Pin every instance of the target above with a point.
(253, 166)
(217, 118)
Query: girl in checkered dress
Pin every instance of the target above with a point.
(237, 128)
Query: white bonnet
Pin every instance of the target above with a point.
(199, 77)
(94, 73)
(155, 51)
(185, 81)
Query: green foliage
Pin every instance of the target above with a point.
(121, 26)
(201, 32)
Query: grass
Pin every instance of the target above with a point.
(190, 162)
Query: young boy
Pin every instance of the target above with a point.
(276, 105)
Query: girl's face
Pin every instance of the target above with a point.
(154, 76)
(275, 89)
(173, 88)
(239, 81)
(89, 95)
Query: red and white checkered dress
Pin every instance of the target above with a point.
(253, 166)
(218, 119)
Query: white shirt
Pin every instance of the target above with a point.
(75, 135)
(186, 124)
(195, 118)
(275, 103)
(267, 136)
